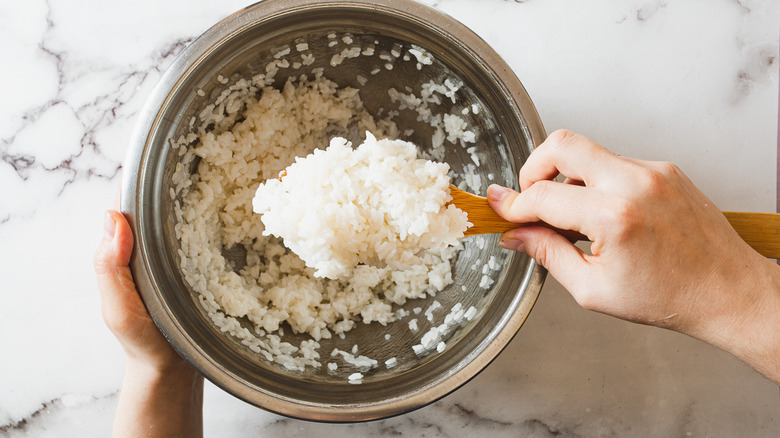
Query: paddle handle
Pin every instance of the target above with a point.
(760, 230)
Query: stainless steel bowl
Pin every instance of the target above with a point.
(240, 46)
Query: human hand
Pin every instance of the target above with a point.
(161, 395)
(662, 253)
(123, 311)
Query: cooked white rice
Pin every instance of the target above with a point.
(256, 135)
(247, 135)
(377, 204)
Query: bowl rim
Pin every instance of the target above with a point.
(133, 176)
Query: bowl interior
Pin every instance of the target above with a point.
(241, 47)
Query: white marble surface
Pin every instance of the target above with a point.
(690, 81)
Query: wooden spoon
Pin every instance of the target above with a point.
(760, 230)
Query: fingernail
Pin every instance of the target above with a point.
(496, 192)
(109, 226)
(512, 244)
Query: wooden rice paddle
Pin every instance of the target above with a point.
(760, 230)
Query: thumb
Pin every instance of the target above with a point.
(114, 250)
(115, 281)
(566, 262)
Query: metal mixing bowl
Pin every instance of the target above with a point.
(240, 46)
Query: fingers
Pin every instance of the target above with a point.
(564, 260)
(564, 206)
(570, 154)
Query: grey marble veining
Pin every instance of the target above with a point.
(692, 82)
(66, 136)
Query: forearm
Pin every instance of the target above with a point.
(156, 403)
(746, 320)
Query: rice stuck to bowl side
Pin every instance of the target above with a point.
(249, 134)
(377, 204)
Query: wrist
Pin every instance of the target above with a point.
(159, 401)
(176, 384)
(741, 314)
(153, 369)
(173, 376)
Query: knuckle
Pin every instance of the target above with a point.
(624, 217)
(542, 254)
(668, 169)
(556, 141)
(539, 191)
(561, 137)
(652, 181)
(627, 212)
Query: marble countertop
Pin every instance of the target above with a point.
(693, 82)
